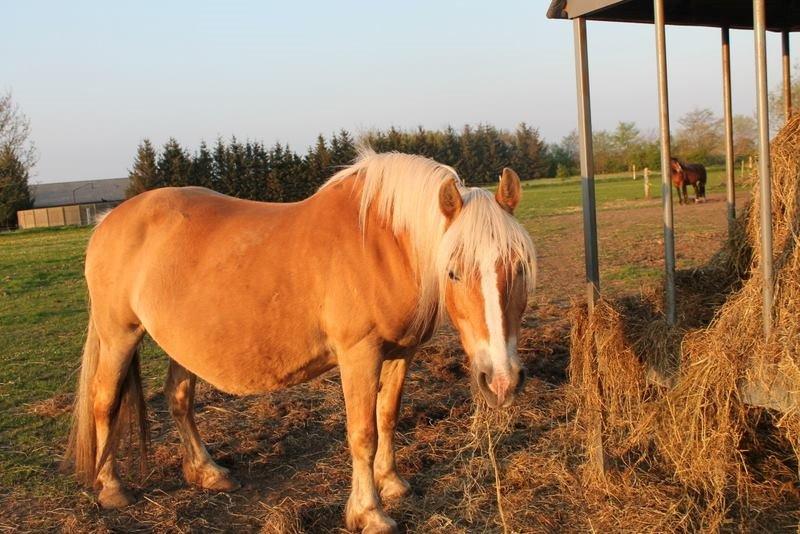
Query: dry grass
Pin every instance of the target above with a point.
(672, 397)
(472, 470)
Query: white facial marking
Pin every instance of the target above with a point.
(497, 346)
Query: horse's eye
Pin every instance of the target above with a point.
(453, 276)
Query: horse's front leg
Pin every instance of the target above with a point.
(684, 193)
(680, 198)
(360, 367)
(389, 483)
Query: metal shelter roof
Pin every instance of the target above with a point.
(782, 15)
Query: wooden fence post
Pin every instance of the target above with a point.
(646, 183)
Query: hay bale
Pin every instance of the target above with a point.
(713, 368)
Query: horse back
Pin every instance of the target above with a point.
(696, 173)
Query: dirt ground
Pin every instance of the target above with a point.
(289, 448)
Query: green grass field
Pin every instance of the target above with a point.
(43, 318)
(551, 196)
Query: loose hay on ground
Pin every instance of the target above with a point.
(676, 395)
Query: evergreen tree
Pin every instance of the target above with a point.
(528, 156)
(319, 166)
(343, 149)
(201, 168)
(173, 165)
(219, 177)
(395, 141)
(498, 154)
(279, 174)
(250, 167)
(15, 194)
(449, 148)
(144, 175)
(233, 179)
(470, 154)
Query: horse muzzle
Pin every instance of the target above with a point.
(499, 389)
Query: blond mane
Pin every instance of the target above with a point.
(405, 190)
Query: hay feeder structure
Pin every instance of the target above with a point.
(674, 376)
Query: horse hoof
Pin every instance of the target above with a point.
(210, 477)
(378, 523)
(221, 482)
(371, 521)
(387, 526)
(394, 488)
(114, 497)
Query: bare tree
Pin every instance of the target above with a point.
(700, 137)
(777, 116)
(745, 135)
(17, 157)
(15, 131)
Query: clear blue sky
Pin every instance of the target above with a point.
(97, 77)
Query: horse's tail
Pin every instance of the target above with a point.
(82, 445)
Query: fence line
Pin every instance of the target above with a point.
(74, 215)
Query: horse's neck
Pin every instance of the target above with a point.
(381, 265)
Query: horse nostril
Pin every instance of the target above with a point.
(483, 379)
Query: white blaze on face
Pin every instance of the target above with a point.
(498, 349)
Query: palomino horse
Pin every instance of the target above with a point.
(253, 297)
(684, 174)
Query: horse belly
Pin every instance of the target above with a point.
(245, 368)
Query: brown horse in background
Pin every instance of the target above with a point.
(684, 174)
(254, 297)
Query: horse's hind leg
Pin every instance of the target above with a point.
(116, 356)
(198, 467)
(389, 483)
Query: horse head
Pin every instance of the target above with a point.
(489, 270)
(677, 170)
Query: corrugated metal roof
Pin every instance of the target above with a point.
(80, 192)
(782, 15)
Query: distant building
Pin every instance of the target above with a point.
(80, 192)
(71, 203)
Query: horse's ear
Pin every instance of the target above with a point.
(509, 192)
(450, 201)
